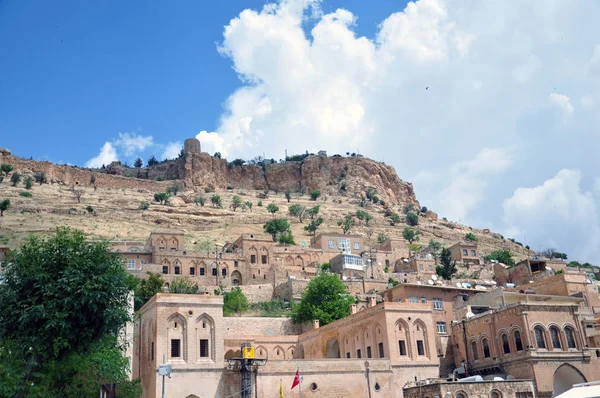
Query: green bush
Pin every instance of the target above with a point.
(28, 182)
(4, 205)
(272, 208)
(199, 200)
(26, 194)
(6, 168)
(259, 204)
(314, 194)
(208, 190)
(144, 205)
(89, 209)
(216, 201)
(15, 178)
(412, 219)
(471, 236)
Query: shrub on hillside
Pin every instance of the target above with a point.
(26, 194)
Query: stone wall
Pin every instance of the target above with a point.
(258, 293)
(504, 388)
(236, 327)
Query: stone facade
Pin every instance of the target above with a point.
(529, 336)
(477, 389)
(465, 253)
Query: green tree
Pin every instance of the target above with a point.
(162, 197)
(28, 181)
(412, 219)
(15, 178)
(447, 267)
(325, 298)
(288, 195)
(217, 155)
(371, 193)
(272, 208)
(67, 317)
(40, 178)
(276, 227)
(314, 194)
(287, 238)
(503, 256)
(361, 214)
(138, 163)
(297, 210)
(471, 236)
(216, 201)
(313, 211)
(249, 205)
(234, 302)
(410, 235)
(424, 209)
(382, 237)
(394, 219)
(145, 289)
(89, 209)
(346, 224)
(236, 202)
(313, 225)
(174, 189)
(144, 205)
(6, 168)
(393, 282)
(183, 286)
(435, 247)
(152, 161)
(199, 200)
(4, 205)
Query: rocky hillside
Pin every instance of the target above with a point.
(336, 175)
(116, 211)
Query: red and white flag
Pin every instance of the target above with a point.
(296, 380)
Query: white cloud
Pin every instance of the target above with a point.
(456, 191)
(172, 150)
(130, 143)
(556, 214)
(488, 67)
(107, 154)
(594, 64)
(587, 101)
(563, 103)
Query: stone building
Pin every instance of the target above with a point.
(529, 336)
(369, 352)
(440, 299)
(465, 253)
(475, 389)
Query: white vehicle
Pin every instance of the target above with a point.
(583, 390)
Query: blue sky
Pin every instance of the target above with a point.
(76, 73)
(490, 108)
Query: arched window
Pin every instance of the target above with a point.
(518, 342)
(486, 348)
(461, 395)
(505, 345)
(539, 337)
(554, 334)
(474, 349)
(570, 335)
(496, 394)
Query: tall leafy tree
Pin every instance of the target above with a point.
(234, 302)
(447, 267)
(63, 301)
(345, 224)
(138, 163)
(276, 227)
(297, 210)
(325, 298)
(504, 256)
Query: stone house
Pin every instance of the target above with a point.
(440, 299)
(529, 336)
(465, 253)
(475, 389)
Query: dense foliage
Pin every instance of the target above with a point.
(325, 298)
(447, 267)
(234, 302)
(503, 256)
(58, 319)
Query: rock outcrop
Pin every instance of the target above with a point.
(346, 176)
(336, 175)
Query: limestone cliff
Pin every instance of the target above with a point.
(347, 176)
(336, 175)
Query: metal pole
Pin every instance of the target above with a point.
(300, 386)
(163, 378)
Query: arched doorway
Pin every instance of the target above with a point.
(236, 278)
(333, 348)
(564, 378)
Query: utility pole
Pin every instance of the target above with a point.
(246, 364)
(164, 370)
(217, 258)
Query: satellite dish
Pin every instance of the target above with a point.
(344, 278)
(494, 283)
(418, 282)
(434, 277)
(430, 282)
(464, 284)
(458, 284)
(548, 268)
